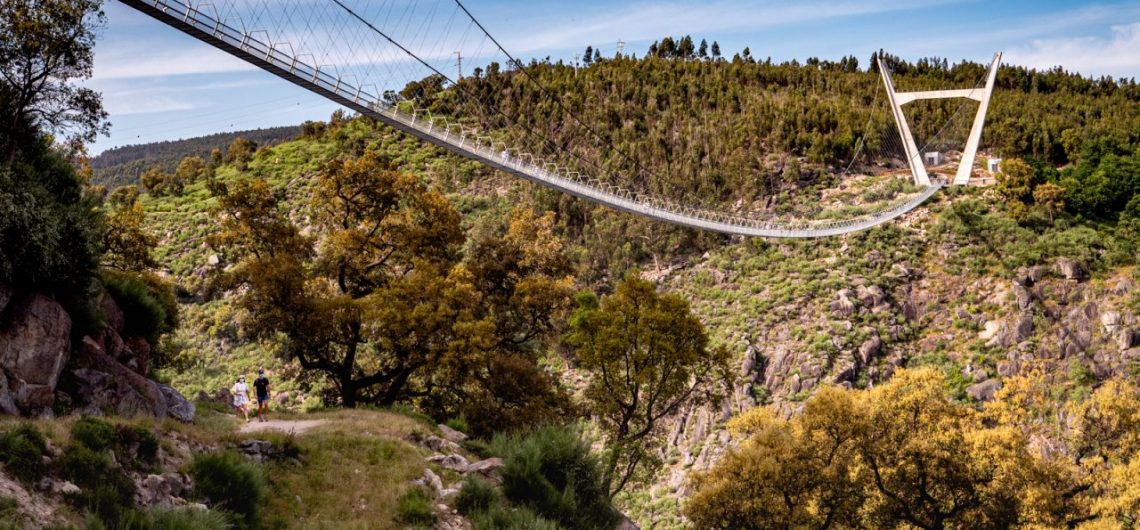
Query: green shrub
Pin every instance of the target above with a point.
(551, 471)
(230, 482)
(144, 313)
(94, 433)
(512, 519)
(477, 495)
(414, 508)
(184, 519)
(459, 424)
(105, 490)
(478, 447)
(22, 450)
(137, 444)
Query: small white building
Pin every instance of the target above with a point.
(993, 165)
(932, 158)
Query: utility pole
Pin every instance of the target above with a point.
(621, 47)
(459, 65)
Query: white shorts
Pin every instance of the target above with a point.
(240, 401)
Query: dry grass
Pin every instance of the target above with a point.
(354, 468)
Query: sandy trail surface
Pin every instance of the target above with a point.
(295, 427)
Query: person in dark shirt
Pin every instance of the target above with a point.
(261, 384)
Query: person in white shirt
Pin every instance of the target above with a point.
(240, 392)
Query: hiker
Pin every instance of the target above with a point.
(261, 384)
(241, 397)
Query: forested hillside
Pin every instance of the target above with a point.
(121, 166)
(972, 365)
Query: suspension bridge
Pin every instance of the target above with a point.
(273, 36)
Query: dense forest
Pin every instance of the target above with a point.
(124, 165)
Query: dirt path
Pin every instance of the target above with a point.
(295, 427)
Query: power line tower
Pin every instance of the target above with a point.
(459, 65)
(620, 47)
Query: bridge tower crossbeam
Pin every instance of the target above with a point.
(969, 154)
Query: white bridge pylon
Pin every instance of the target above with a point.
(913, 156)
(257, 47)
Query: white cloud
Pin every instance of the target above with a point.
(1117, 55)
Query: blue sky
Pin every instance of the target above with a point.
(159, 84)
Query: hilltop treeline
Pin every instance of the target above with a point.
(703, 125)
(749, 132)
(122, 166)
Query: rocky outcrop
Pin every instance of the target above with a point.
(984, 391)
(1072, 269)
(103, 385)
(34, 348)
(177, 405)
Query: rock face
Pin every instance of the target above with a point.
(451, 434)
(1071, 269)
(177, 405)
(984, 391)
(107, 385)
(34, 347)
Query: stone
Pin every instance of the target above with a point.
(177, 406)
(1126, 338)
(844, 373)
(452, 462)
(441, 445)
(843, 306)
(7, 402)
(870, 296)
(114, 387)
(63, 487)
(113, 315)
(283, 398)
(748, 365)
(154, 491)
(1024, 297)
(984, 391)
(484, 467)
(451, 434)
(35, 344)
(1110, 320)
(989, 330)
(138, 355)
(433, 481)
(257, 450)
(869, 349)
(1123, 286)
(1007, 368)
(1024, 329)
(1071, 269)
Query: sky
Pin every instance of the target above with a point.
(160, 84)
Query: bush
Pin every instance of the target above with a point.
(552, 472)
(229, 482)
(145, 313)
(105, 490)
(94, 433)
(477, 495)
(141, 443)
(185, 519)
(414, 508)
(512, 519)
(459, 424)
(22, 452)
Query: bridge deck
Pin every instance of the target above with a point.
(244, 46)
